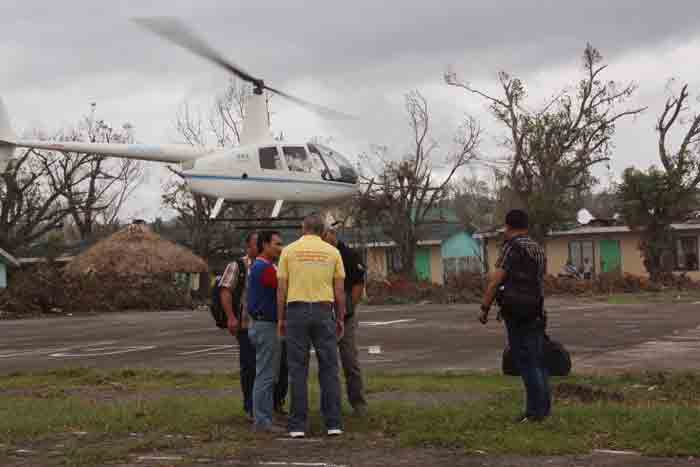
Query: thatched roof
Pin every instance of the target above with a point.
(136, 250)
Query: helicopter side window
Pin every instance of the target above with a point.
(270, 159)
(299, 161)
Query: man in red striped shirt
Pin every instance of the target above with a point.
(262, 308)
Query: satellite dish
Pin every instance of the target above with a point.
(584, 217)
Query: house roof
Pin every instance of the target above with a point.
(433, 233)
(8, 258)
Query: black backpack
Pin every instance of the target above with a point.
(216, 308)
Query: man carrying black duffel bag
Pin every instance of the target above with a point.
(517, 284)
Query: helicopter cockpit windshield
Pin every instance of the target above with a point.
(339, 168)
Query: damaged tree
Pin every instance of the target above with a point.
(553, 149)
(652, 200)
(42, 190)
(29, 206)
(101, 184)
(399, 194)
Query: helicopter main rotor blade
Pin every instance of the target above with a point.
(173, 30)
(325, 112)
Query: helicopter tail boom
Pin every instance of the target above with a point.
(172, 153)
(7, 138)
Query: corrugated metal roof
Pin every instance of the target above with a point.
(428, 234)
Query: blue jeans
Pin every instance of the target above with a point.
(268, 349)
(312, 324)
(526, 341)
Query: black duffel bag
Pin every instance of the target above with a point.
(557, 359)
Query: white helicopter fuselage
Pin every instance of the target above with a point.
(260, 169)
(270, 172)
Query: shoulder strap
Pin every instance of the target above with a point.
(242, 269)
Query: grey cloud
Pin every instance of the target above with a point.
(284, 40)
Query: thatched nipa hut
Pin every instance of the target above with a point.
(137, 251)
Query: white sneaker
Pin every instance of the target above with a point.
(335, 432)
(296, 434)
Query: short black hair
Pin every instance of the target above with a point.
(517, 219)
(249, 236)
(313, 224)
(266, 237)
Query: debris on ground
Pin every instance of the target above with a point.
(48, 289)
(469, 287)
(586, 394)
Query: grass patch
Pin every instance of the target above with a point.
(654, 413)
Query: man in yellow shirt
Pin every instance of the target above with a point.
(311, 280)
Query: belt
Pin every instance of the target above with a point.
(328, 304)
(264, 320)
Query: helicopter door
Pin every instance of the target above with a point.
(299, 161)
(270, 159)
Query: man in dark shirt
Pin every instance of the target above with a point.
(521, 267)
(354, 287)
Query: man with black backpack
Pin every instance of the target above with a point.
(232, 291)
(517, 284)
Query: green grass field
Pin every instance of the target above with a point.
(97, 417)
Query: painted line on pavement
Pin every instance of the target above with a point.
(385, 323)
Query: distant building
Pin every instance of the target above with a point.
(444, 249)
(7, 261)
(608, 248)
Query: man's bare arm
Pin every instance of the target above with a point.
(340, 302)
(282, 287)
(226, 297)
(357, 292)
(496, 279)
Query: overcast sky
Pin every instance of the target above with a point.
(359, 57)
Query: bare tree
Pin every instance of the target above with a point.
(685, 159)
(552, 150)
(100, 185)
(399, 194)
(476, 199)
(42, 190)
(653, 199)
(29, 206)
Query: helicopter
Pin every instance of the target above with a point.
(260, 168)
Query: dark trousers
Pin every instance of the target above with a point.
(349, 357)
(282, 385)
(312, 324)
(246, 361)
(526, 341)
